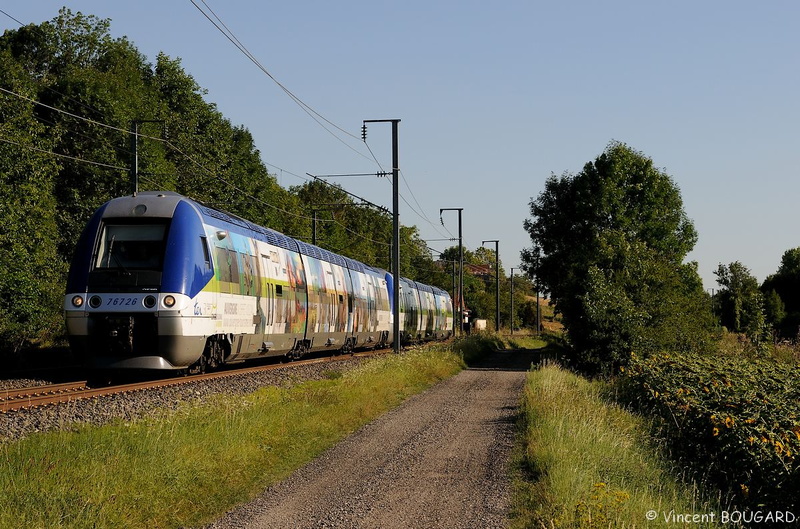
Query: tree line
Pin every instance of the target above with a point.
(69, 93)
(609, 245)
(766, 312)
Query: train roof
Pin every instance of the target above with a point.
(163, 204)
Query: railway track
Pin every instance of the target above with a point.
(16, 399)
(55, 394)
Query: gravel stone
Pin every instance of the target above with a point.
(439, 460)
(131, 406)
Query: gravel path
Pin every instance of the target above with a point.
(439, 460)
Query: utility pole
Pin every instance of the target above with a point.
(395, 225)
(460, 267)
(134, 169)
(497, 281)
(538, 305)
(135, 157)
(512, 302)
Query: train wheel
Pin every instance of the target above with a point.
(213, 356)
(300, 349)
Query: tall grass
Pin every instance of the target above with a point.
(587, 463)
(184, 468)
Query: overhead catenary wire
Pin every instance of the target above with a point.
(12, 18)
(162, 140)
(169, 144)
(364, 200)
(223, 28)
(44, 151)
(179, 151)
(226, 31)
(422, 215)
(313, 114)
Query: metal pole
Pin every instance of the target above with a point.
(460, 275)
(497, 284)
(512, 302)
(497, 281)
(538, 306)
(395, 251)
(134, 170)
(454, 295)
(538, 313)
(460, 267)
(396, 235)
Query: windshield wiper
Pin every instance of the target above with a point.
(116, 259)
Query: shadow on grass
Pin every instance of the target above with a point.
(520, 359)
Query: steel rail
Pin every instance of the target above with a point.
(25, 398)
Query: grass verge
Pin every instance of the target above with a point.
(184, 468)
(588, 463)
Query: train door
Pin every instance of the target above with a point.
(371, 322)
(267, 301)
(432, 314)
(350, 286)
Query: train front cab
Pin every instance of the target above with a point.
(133, 272)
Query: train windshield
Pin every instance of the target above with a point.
(132, 247)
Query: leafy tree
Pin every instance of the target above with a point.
(774, 309)
(81, 71)
(30, 268)
(608, 246)
(786, 285)
(740, 301)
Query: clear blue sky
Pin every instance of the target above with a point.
(496, 96)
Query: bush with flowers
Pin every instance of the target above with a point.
(735, 419)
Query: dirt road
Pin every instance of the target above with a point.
(438, 461)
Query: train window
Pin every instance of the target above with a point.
(206, 254)
(223, 266)
(233, 262)
(132, 246)
(251, 280)
(279, 290)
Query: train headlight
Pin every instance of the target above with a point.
(149, 302)
(77, 302)
(169, 301)
(95, 301)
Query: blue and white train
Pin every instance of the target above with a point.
(159, 281)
